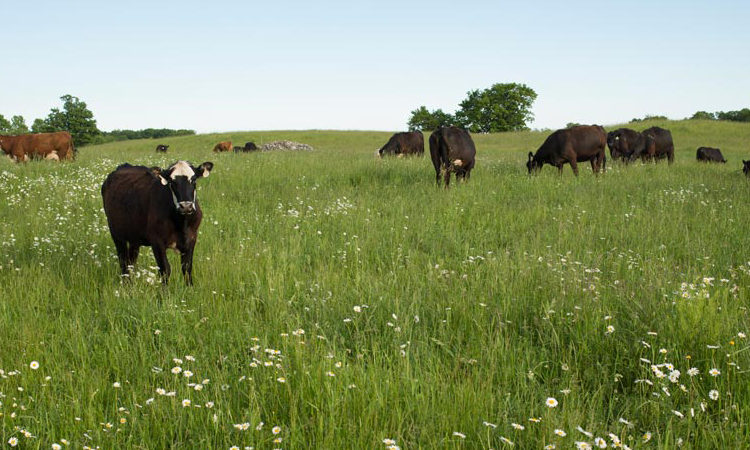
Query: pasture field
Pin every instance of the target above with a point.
(353, 305)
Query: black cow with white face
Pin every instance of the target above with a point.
(154, 207)
(162, 148)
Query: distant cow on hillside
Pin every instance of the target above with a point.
(571, 145)
(452, 150)
(223, 146)
(709, 154)
(23, 147)
(623, 142)
(157, 208)
(658, 145)
(405, 143)
(162, 148)
(249, 147)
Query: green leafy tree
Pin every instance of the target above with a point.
(39, 126)
(18, 125)
(424, 120)
(502, 107)
(75, 118)
(703, 115)
(4, 125)
(742, 115)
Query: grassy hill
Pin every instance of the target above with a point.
(347, 300)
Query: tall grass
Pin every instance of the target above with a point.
(347, 300)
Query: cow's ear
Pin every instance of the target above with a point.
(531, 155)
(204, 170)
(158, 173)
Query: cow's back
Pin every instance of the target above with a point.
(128, 194)
(459, 143)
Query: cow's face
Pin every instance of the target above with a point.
(746, 167)
(612, 140)
(181, 178)
(532, 165)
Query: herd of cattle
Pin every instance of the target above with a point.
(151, 206)
(453, 151)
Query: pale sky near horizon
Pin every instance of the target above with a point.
(246, 65)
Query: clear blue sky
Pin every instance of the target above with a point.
(246, 65)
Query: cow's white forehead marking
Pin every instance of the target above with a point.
(182, 169)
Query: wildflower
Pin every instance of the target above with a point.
(565, 391)
(646, 436)
(674, 376)
(116, 384)
(34, 365)
(190, 358)
(583, 445)
(560, 433)
(461, 435)
(234, 447)
(276, 430)
(517, 426)
(550, 447)
(187, 374)
(209, 405)
(587, 433)
(627, 424)
(330, 374)
(678, 414)
(176, 370)
(741, 335)
(505, 440)
(551, 402)
(281, 380)
(358, 309)
(260, 426)
(277, 441)
(64, 441)
(56, 446)
(157, 332)
(389, 441)
(693, 371)
(535, 419)
(713, 394)
(599, 442)
(186, 403)
(610, 329)
(714, 372)
(13, 441)
(488, 424)
(123, 420)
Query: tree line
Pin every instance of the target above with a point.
(78, 120)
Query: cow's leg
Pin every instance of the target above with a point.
(574, 166)
(133, 254)
(160, 253)
(559, 168)
(187, 266)
(122, 255)
(670, 155)
(604, 162)
(447, 170)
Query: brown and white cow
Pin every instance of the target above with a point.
(223, 146)
(157, 208)
(53, 146)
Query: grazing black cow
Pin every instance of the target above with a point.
(162, 148)
(249, 147)
(571, 145)
(154, 207)
(746, 167)
(658, 145)
(452, 150)
(405, 143)
(623, 142)
(709, 154)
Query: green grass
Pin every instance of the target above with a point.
(435, 310)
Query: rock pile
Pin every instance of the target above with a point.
(285, 145)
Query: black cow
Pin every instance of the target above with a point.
(658, 145)
(452, 150)
(157, 208)
(162, 148)
(623, 142)
(746, 167)
(571, 145)
(405, 143)
(709, 154)
(249, 147)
